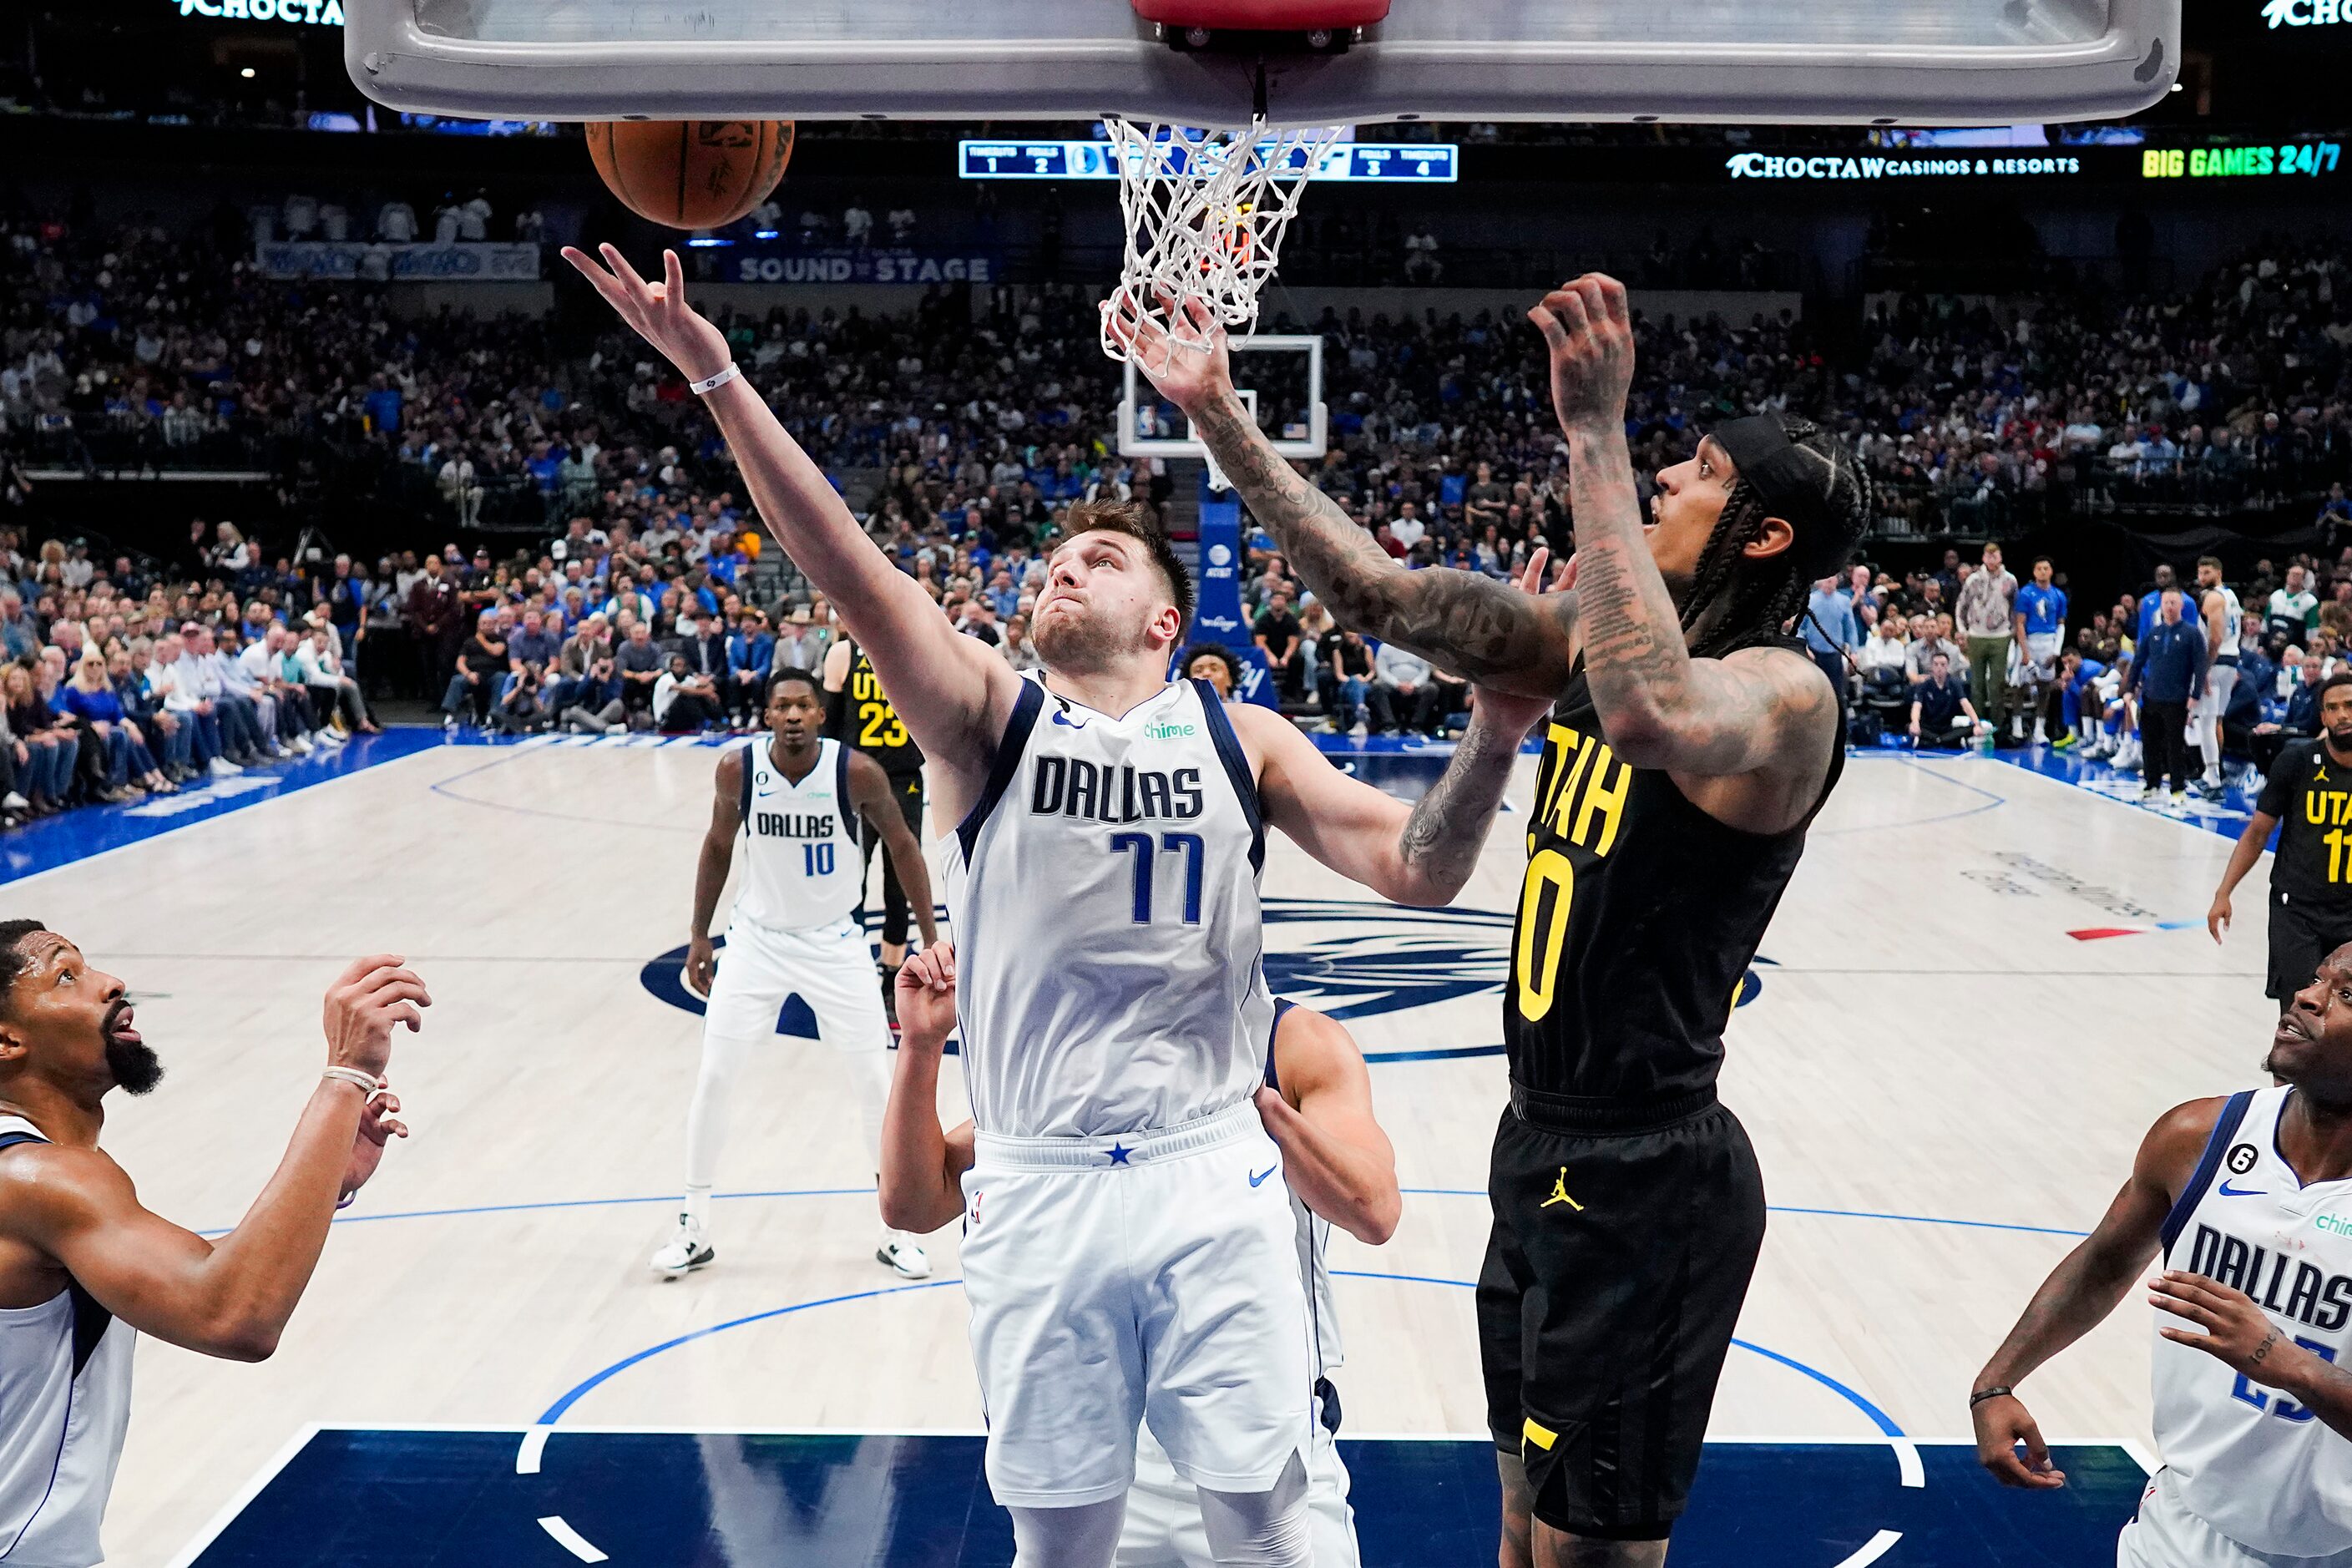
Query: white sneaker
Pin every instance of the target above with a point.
(686, 1250)
(12, 801)
(902, 1256)
(302, 747)
(325, 738)
(221, 768)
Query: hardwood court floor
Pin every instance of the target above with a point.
(1943, 1085)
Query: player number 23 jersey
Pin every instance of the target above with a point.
(1103, 892)
(2247, 1459)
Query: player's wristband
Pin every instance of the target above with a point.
(368, 1082)
(1999, 1391)
(700, 388)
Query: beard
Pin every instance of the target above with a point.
(1081, 642)
(135, 1067)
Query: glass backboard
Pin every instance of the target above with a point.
(1961, 62)
(1280, 378)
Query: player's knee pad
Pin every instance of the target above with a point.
(1260, 1530)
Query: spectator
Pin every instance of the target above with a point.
(1215, 664)
(1941, 715)
(1828, 628)
(639, 664)
(481, 670)
(1986, 614)
(1279, 634)
(2167, 675)
(2293, 610)
(684, 701)
(1402, 696)
(750, 654)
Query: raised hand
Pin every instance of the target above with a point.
(1520, 714)
(1189, 366)
(1591, 331)
(364, 1004)
(927, 999)
(657, 310)
(377, 1126)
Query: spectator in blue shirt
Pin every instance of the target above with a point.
(2152, 600)
(2167, 672)
(1829, 629)
(751, 654)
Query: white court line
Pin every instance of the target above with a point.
(2141, 1457)
(1876, 1547)
(370, 771)
(534, 1443)
(245, 1495)
(572, 1542)
(1906, 1460)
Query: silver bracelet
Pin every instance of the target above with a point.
(367, 1082)
(702, 387)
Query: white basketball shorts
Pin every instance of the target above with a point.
(831, 968)
(2165, 1534)
(1163, 1528)
(2041, 650)
(1117, 1281)
(2220, 680)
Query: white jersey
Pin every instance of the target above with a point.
(65, 1401)
(2233, 616)
(2247, 1459)
(803, 864)
(1104, 896)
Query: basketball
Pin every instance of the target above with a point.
(691, 173)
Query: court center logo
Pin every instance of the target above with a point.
(1432, 978)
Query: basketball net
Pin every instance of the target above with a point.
(1206, 211)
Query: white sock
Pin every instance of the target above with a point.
(706, 1118)
(698, 1207)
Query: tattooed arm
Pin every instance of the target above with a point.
(1421, 855)
(1757, 711)
(1464, 622)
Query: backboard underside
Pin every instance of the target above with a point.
(1953, 62)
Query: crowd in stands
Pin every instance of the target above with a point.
(2193, 681)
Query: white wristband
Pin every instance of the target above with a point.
(368, 1082)
(700, 387)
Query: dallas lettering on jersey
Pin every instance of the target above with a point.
(2313, 1298)
(792, 825)
(1072, 787)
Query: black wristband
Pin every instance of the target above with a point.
(1999, 1391)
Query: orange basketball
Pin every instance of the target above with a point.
(691, 173)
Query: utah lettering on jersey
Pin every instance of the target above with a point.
(1581, 791)
(2303, 1292)
(1072, 787)
(793, 824)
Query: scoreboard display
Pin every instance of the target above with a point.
(1403, 162)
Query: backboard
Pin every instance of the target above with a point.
(1280, 379)
(1951, 62)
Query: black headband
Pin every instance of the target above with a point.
(1787, 479)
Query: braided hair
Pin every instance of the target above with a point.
(1759, 597)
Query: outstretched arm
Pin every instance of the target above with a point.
(1659, 707)
(1421, 854)
(2082, 1290)
(953, 691)
(2243, 856)
(230, 1297)
(1463, 622)
(878, 804)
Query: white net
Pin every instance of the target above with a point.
(1206, 211)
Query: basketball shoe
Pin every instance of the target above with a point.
(686, 1250)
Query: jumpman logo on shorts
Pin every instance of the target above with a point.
(1560, 1193)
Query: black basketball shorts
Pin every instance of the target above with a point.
(1613, 1281)
(2301, 935)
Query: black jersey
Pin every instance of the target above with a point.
(864, 719)
(1637, 920)
(2310, 794)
